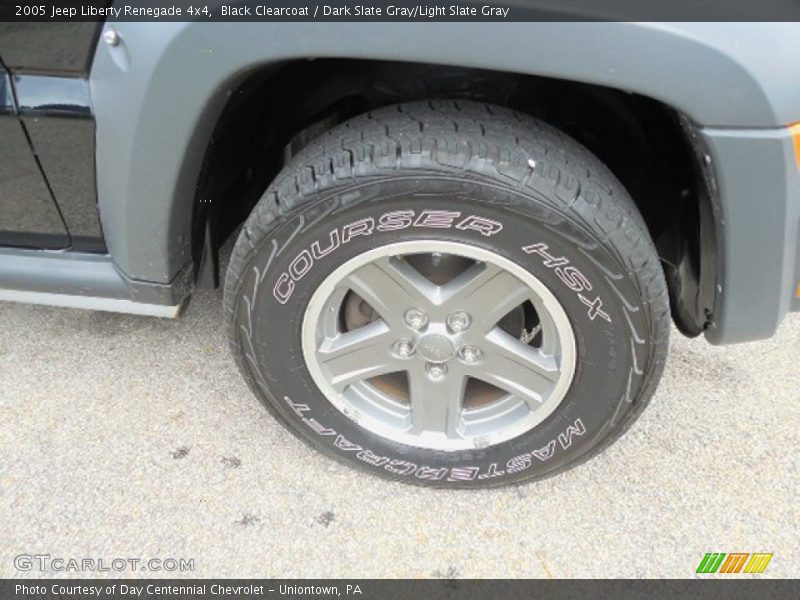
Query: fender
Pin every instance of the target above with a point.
(159, 92)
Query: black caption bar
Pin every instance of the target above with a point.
(361, 589)
(399, 10)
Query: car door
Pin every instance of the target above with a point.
(48, 196)
(29, 216)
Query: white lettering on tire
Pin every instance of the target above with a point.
(571, 277)
(394, 220)
(565, 439)
(516, 464)
(438, 219)
(482, 225)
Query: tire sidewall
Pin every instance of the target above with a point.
(590, 281)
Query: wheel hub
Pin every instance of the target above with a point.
(436, 348)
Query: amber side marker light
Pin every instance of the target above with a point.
(794, 131)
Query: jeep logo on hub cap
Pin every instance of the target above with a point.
(436, 348)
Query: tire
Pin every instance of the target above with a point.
(477, 185)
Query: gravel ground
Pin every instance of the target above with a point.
(127, 436)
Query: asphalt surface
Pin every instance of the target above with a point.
(126, 436)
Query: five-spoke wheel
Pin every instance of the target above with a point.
(439, 345)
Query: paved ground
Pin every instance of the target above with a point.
(123, 436)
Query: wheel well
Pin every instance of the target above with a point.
(647, 145)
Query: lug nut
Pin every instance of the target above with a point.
(436, 370)
(416, 319)
(458, 321)
(403, 348)
(470, 354)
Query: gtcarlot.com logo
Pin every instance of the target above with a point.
(736, 562)
(61, 564)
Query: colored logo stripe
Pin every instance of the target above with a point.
(734, 563)
(758, 563)
(713, 562)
